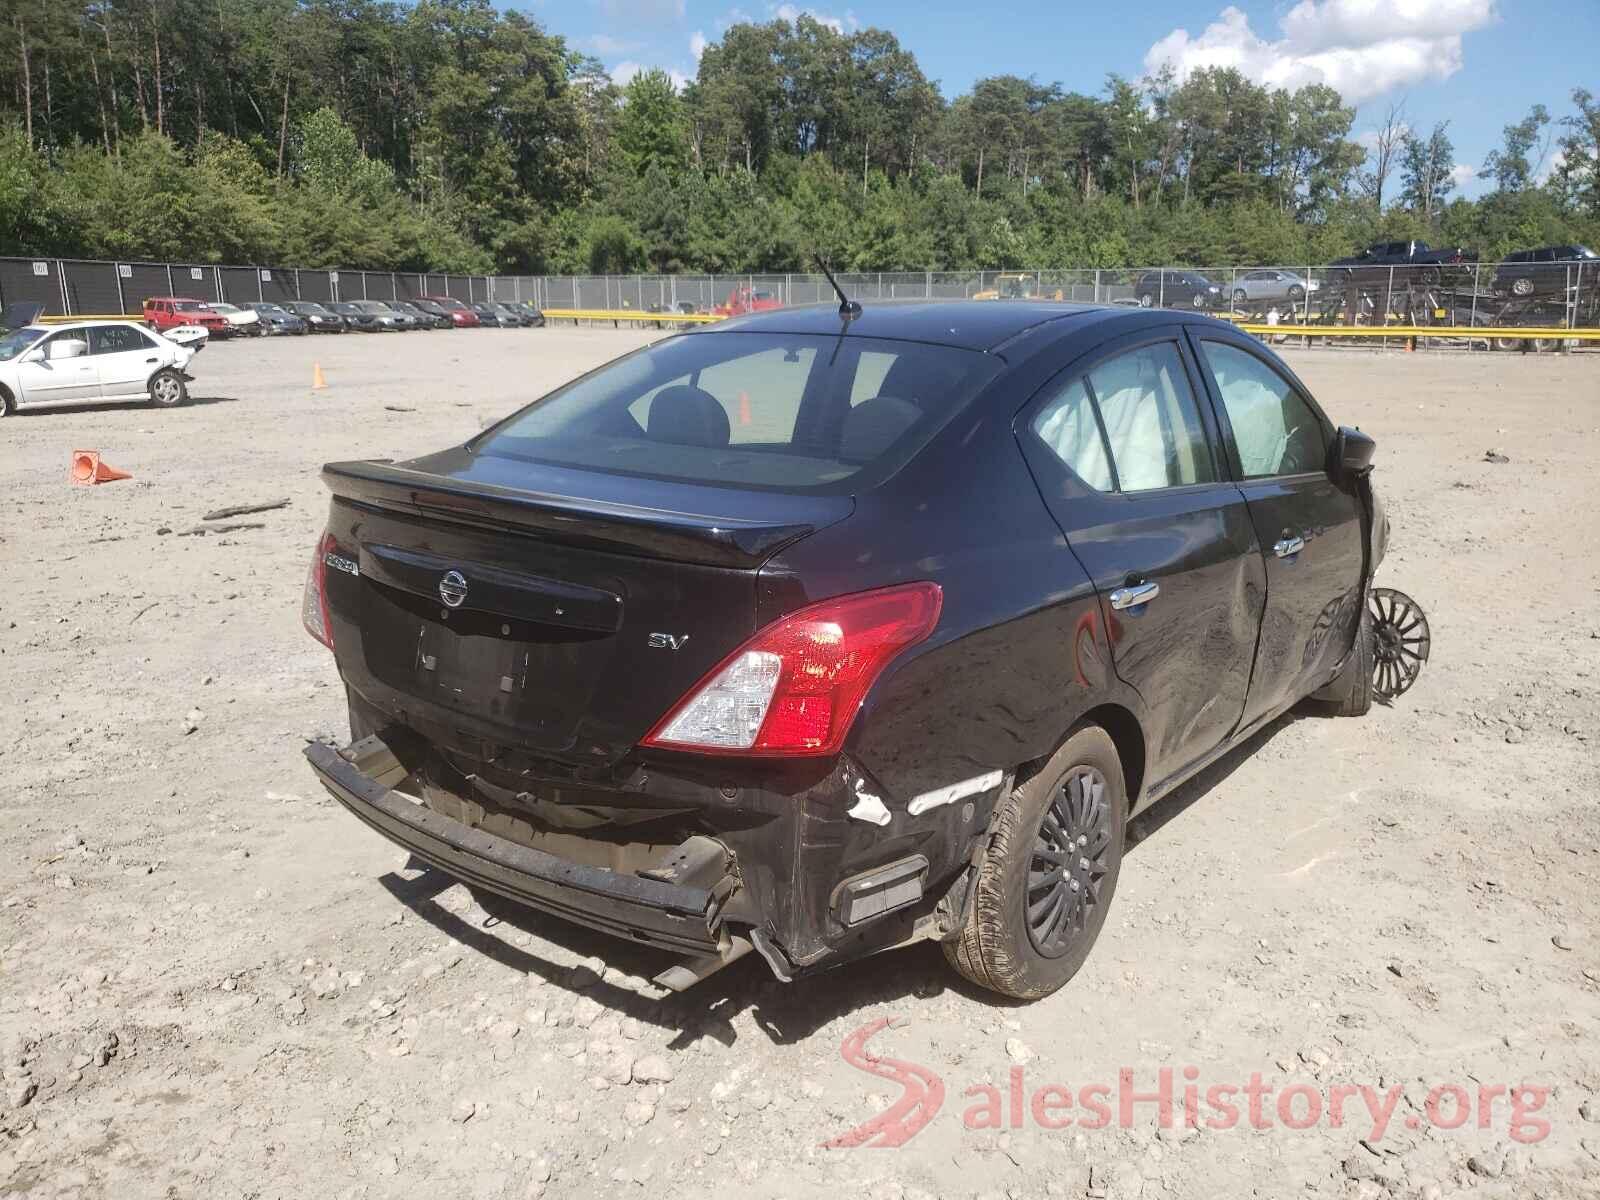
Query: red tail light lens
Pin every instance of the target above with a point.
(793, 689)
(314, 604)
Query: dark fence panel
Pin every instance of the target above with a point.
(187, 279)
(91, 287)
(240, 285)
(31, 279)
(457, 286)
(140, 281)
(408, 287)
(277, 285)
(315, 285)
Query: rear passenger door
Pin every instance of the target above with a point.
(1123, 450)
(1308, 527)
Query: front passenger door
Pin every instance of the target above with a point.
(1308, 527)
(59, 380)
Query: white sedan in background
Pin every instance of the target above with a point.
(242, 322)
(90, 362)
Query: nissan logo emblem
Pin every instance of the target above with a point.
(453, 589)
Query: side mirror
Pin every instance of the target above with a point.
(1351, 454)
(33, 356)
(71, 348)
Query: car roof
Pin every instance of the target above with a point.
(968, 324)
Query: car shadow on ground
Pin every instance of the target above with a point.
(785, 1013)
(118, 406)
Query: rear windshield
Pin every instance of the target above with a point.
(787, 412)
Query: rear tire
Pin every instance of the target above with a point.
(1350, 692)
(7, 405)
(1239, 298)
(1146, 300)
(1056, 847)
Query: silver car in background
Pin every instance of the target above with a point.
(1270, 284)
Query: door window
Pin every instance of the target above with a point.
(1275, 430)
(116, 339)
(1151, 421)
(1068, 426)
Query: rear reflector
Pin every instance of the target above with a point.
(794, 688)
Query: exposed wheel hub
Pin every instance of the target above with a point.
(1401, 642)
(1068, 863)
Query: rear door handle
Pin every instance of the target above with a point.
(152, 360)
(1134, 595)
(1288, 547)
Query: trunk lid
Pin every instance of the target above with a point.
(506, 610)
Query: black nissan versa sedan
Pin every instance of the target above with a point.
(822, 631)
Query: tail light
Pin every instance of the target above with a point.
(794, 688)
(314, 605)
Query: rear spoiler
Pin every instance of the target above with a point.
(746, 530)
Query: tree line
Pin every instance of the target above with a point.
(448, 135)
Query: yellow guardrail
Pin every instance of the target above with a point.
(1418, 331)
(90, 317)
(628, 314)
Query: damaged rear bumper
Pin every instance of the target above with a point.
(673, 916)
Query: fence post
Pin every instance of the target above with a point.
(170, 290)
(1473, 318)
(122, 303)
(1097, 285)
(260, 294)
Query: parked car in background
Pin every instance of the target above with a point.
(748, 300)
(462, 316)
(244, 322)
(735, 585)
(511, 312)
(421, 317)
(1269, 285)
(489, 315)
(383, 317)
(20, 314)
(1177, 289)
(169, 312)
(319, 318)
(279, 321)
(88, 362)
(1404, 263)
(355, 317)
(441, 318)
(1549, 270)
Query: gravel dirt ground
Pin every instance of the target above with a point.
(214, 982)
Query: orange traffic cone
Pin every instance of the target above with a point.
(88, 469)
(744, 408)
(317, 382)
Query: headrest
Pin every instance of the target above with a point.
(688, 416)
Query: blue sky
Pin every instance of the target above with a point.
(1479, 64)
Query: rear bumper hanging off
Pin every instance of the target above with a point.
(672, 916)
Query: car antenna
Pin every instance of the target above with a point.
(848, 308)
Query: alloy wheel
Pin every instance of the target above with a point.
(1069, 862)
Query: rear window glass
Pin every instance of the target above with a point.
(789, 412)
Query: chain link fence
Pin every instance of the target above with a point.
(1533, 294)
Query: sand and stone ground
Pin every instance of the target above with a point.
(215, 983)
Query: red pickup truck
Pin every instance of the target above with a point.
(747, 300)
(168, 312)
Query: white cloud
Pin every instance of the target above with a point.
(625, 71)
(1462, 174)
(604, 43)
(1361, 48)
(1369, 138)
(792, 13)
(697, 44)
(1545, 171)
(643, 12)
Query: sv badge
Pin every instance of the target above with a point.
(667, 641)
